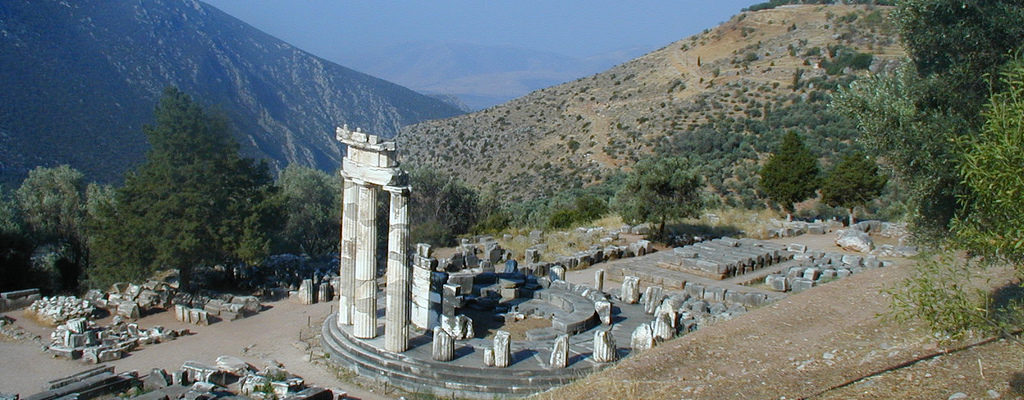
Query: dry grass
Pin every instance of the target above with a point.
(562, 242)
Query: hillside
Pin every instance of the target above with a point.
(721, 97)
(80, 79)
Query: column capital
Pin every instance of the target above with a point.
(404, 189)
(349, 178)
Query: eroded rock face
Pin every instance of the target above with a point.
(854, 240)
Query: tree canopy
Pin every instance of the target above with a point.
(915, 118)
(440, 207)
(658, 190)
(311, 201)
(193, 202)
(852, 182)
(991, 168)
(791, 174)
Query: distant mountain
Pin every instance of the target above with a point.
(80, 78)
(481, 76)
(723, 98)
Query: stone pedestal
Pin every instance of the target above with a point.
(444, 345)
(599, 280)
(420, 313)
(502, 349)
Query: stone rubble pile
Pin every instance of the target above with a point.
(204, 307)
(858, 238)
(132, 301)
(230, 377)
(82, 339)
(786, 229)
(820, 267)
(58, 309)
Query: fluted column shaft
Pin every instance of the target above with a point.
(347, 261)
(365, 312)
(396, 324)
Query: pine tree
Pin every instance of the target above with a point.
(193, 202)
(791, 174)
(853, 182)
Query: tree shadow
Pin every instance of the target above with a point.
(681, 234)
(1007, 303)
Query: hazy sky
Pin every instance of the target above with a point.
(570, 27)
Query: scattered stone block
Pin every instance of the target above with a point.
(854, 240)
(603, 308)
(488, 356)
(443, 346)
(560, 352)
(663, 326)
(652, 298)
(604, 346)
(630, 293)
(557, 273)
(642, 338)
(801, 284)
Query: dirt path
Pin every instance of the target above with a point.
(273, 334)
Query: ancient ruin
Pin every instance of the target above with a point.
(449, 322)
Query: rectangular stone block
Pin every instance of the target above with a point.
(714, 293)
(694, 290)
(777, 282)
(801, 284)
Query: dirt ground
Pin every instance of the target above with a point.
(273, 334)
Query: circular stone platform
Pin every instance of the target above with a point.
(467, 376)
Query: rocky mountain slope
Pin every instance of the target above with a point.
(722, 97)
(80, 78)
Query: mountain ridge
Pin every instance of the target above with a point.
(81, 78)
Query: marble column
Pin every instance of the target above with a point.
(396, 319)
(364, 315)
(349, 224)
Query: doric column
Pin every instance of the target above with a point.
(365, 312)
(396, 318)
(347, 270)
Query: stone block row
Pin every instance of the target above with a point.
(725, 257)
